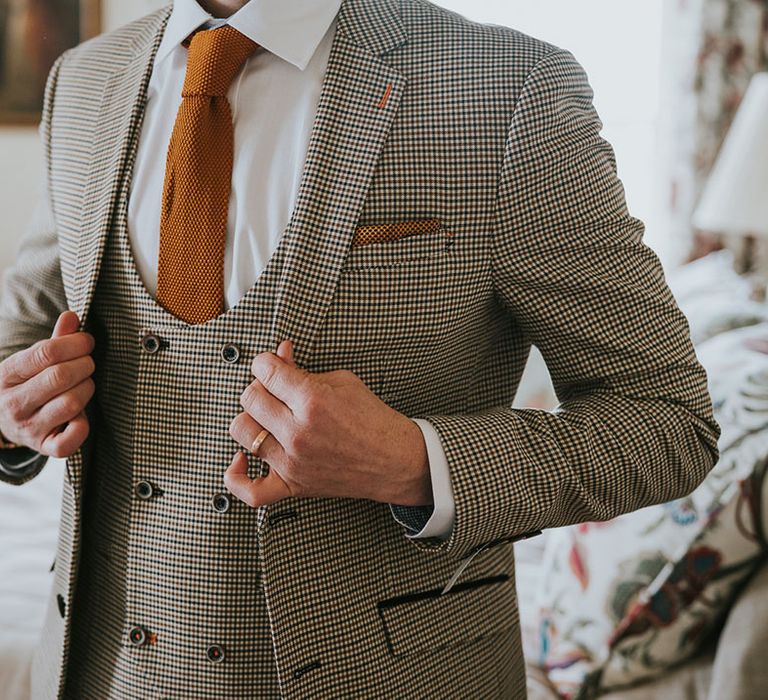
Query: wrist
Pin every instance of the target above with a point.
(415, 488)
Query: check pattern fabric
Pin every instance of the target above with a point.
(198, 177)
(492, 133)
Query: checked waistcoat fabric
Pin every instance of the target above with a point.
(193, 219)
(169, 559)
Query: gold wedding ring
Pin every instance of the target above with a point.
(259, 439)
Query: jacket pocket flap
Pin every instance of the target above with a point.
(429, 620)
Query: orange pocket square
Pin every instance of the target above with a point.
(378, 233)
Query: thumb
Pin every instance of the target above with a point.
(67, 323)
(285, 352)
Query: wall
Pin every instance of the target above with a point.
(21, 160)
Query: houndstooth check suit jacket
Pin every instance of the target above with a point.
(494, 134)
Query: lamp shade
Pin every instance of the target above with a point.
(735, 198)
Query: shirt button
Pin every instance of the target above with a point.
(151, 343)
(138, 636)
(230, 353)
(144, 490)
(215, 653)
(220, 502)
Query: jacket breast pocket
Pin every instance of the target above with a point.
(381, 245)
(471, 610)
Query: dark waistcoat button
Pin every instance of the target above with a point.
(151, 343)
(215, 653)
(144, 490)
(138, 636)
(220, 502)
(230, 353)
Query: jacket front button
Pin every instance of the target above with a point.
(230, 353)
(151, 343)
(220, 502)
(138, 636)
(215, 653)
(62, 605)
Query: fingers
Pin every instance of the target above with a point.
(52, 382)
(67, 323)
(67, 441)
(25, 364)
(285, 352)
(245, 430)
(257, 492)
(269, 411)
(283, 380)
(65, 406)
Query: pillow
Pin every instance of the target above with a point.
(624, 600)
(714, 297)
(710, 275)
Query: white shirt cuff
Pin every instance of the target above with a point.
(440, 524)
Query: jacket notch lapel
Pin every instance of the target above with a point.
(358, 102)
(114, 144)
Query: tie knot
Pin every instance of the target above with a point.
(214, 58)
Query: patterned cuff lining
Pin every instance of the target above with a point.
(413, 518)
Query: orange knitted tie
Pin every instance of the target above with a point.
(198, 178)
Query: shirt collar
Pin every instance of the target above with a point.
(290, 29)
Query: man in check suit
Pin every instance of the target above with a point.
(295, 265)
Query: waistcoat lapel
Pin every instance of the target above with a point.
(114, 143)
(358, 102)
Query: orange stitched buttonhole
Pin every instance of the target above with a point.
(385, 97)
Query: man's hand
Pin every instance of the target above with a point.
(330, 437)
(44, 391)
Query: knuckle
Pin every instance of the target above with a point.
(90, 365)
(60, 450)
(57, 375)
(71, 405)
(235, 427)
(267, 373)
(90, 388)
(44, 353)
(314, 404)
(248, 396)
(13, 409)
(259, 362)
(298, 443)
(249, 497)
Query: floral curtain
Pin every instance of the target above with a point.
(727, 41)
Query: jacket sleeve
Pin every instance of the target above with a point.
(32, 293)
(634, 425)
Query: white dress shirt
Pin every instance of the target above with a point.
(274, 99)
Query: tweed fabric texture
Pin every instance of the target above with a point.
(198, 177)
(493, 133)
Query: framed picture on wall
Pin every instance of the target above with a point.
(33, 33)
